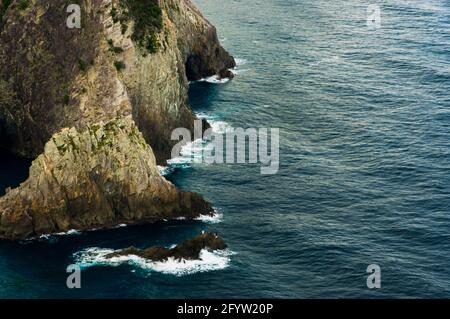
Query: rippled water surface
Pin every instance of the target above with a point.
(364, 177)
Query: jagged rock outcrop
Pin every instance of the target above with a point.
(189, 249)
(99, 177)
(56, 77)
(159, 106)
(129, 64)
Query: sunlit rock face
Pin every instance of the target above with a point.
(96, 106)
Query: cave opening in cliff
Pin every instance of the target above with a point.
(192, 66)
(14, 170)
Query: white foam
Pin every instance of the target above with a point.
(214, 219)
(209, 261)
(193, 152)
(328, 60)
(190, 152)
(217, 126)
(215, 79)
(165, 170)
(71, 232)
(240, 62)
(220, 127)
(120, 226)
(237, 70)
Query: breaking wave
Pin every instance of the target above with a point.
(209, 261)
(72, 232)
(215, 79)
(214, 219)
(193, 152)
(165, 170)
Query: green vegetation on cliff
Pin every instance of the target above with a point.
(23, 4)
(147, 17)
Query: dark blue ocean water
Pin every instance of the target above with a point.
(364, 167)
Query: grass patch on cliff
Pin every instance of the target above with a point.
(107, 136)
(147, 17)
(82, 65)
(66, 99)
(23, 4)
(152, 43)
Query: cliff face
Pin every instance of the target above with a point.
(96, 106)
(99, 177)
(57, 77)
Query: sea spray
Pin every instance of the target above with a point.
(208, 261)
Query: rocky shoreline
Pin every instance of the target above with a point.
(95, 108)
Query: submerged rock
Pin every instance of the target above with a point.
(189, 249)
(95, 108)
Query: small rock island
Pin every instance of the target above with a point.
(188, 250)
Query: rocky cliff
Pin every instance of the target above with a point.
(95, 107)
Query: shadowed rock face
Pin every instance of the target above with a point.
(189, 249)
(96, 110)
(199, 45)
(161, 105)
